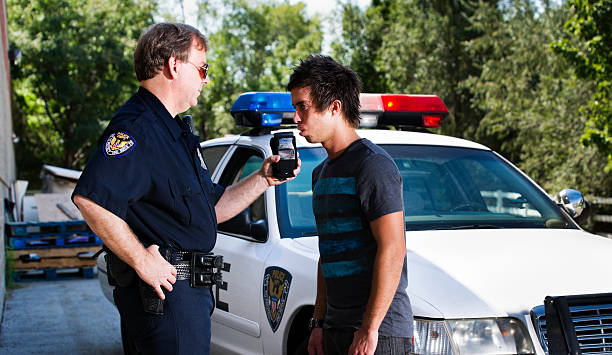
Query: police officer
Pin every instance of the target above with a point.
(146, 192)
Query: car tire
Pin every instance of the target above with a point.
(302, 349)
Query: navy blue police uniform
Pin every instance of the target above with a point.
(148, 171)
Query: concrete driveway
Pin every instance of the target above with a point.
(66, 316)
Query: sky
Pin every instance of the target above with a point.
(312, 6)
(324, 8)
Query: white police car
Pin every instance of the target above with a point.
(485, 244)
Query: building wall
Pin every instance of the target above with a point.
(7, 156)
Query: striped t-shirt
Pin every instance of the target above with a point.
(349, 192)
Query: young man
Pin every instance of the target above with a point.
(361, 306)
(147, 190)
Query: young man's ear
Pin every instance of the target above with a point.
(336, 107)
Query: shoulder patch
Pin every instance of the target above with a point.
(118, 144)
(276, 284)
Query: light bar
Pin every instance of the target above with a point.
(262, 109)
(402, 110)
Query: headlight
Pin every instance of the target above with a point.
(431, 337)
(490, 336)
(472, 336)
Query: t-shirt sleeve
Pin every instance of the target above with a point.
(379, 186)
(118, 172)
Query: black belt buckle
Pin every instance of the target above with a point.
(203, 267)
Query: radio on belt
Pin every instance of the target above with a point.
(283, 144)
(202, 273)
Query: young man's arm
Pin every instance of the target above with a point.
(388, 231)
(315, 343)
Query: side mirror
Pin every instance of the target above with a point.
(574, 204)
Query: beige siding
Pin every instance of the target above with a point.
(7, 156)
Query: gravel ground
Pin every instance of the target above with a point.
(66, 316)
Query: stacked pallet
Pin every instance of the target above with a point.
(50, 246)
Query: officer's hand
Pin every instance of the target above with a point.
(364, 342)
(266, 170)
(315, 343)
(156, 271)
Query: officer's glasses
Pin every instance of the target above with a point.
(203, 70)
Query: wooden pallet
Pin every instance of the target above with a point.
(33, 229)
(53, 274)
(54, 241)
(52, 258)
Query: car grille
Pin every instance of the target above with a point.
(592, 323)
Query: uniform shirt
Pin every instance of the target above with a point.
(349, 192)
(146, 170)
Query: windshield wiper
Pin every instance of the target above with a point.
(474, 226)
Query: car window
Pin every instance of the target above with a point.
(243, 162)
(294, 198)
(443, 188)
(450, 187)
(213, 155)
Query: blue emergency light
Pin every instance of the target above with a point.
(263, 109)
(271, 109)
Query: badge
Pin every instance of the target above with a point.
(276, 284)
(118, 144)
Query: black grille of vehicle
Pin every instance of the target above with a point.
(592, 323)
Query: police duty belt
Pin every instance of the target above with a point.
(201, 269)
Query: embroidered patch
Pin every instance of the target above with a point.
(118, 144)
(276, 284)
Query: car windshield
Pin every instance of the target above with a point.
(443, 188)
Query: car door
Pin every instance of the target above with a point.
(243, 243)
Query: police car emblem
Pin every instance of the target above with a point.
(276, 284)
(118, 144)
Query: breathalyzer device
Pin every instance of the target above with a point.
(283, 144)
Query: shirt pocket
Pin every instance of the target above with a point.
(183, 196)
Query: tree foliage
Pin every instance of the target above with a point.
(76, 70)
(254, 49)
(587, 46)
(416, 46)
(530, 99)
(491, 63)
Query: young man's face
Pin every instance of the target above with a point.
(315, 126)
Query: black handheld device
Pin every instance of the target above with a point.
(283, 144)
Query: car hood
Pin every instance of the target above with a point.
(501, 272)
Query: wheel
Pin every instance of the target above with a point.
(302, 349)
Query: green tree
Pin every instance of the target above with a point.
(416, 46)
(530, 99)
(587, 46)
(254, 49)
(76, 70)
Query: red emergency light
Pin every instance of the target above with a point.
(402, 110)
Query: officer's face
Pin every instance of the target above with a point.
(315, 126)
(192, 78)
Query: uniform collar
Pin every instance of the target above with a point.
(172, 123)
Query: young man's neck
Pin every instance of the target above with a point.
(339, 141)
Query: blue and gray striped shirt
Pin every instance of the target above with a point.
(349, 192)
